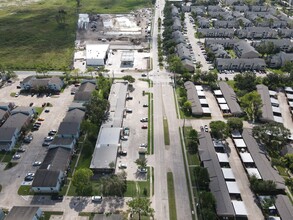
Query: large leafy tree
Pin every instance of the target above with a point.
(141, 206)
(114, 185)
(235, 124)
(81, 180)
(245, 81)
(96, 110)
(202, 178)
(251, 103)
(219, 129)
(273, 136)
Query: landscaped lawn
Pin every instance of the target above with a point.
(31, 36)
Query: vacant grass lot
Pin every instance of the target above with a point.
(31, 36)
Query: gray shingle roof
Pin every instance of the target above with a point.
(17, 120)
(22, 213)
(267, 111)
(46, 178)
(68, 128)
(284, 207)
(6, 133)
(84, 92)
(56, 159)
(231, 98)
(262, 163)
(193, 98)
(218, 185)
(75, 115)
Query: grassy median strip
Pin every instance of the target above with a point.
(171, 196)
(166, 131)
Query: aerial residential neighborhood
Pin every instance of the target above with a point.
(155, 109)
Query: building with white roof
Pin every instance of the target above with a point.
(97, 54)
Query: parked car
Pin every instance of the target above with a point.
(30, 174)
(143, 75)
(37, 163)
(142, 170)
(206, 129)
(49, 138)
(28, 178)
(16, 156)
(28, 138)
(45, 144)
(57, 197)
(128, 110)
(144, 127)
(144, 145)
(47, 110)
(122, 166)
(122, 153)
(52, 132)
(144, 120)
(97, 198)
(41, 119)
(21, 150)
(124, 138)
(31, 104)
(16, 94)
(129, 98)
(145, 105)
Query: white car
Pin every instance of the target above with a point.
(144, 145)
(97, 198)
(30, 174)
(37, 163)
(122, 166)
(16, 156)
(49, 138)
(16, 94)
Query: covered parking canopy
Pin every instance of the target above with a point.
(232, 187)
(246, 157)
(239, 143)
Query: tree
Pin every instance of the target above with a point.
(90, 70)
(235, 124)
(61, 17)
(77, 3)
(175, 64)
(141, 206)
(193, 135)
(219, 129)
(113, 185)
(89, 128)
(273, 136)
(129, 78)
(141, 163)
(208, 77)
(245, 81)
(207, 200)
(259, 186)
(287, 67)
(202, 178)
(187, 106)
(81, 180)
(96, 110)
(275, 81)
(251, 103)
(287, 160)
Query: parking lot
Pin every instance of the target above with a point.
(137, 135)
(12, 178)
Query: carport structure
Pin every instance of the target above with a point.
(127, 58)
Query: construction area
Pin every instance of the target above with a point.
(113, 40)
(131, 28)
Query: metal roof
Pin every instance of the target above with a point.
(246, 157)
(239, 142)
(228, 173)
(239, 208)
(232, 187)
(117, 101)
(253, 172)
(260, 160)
(106, 147)
(231, 98)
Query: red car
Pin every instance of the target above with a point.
(144, 127)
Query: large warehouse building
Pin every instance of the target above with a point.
(97, 54)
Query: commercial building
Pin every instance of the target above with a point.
(108, 141)
(97, 54)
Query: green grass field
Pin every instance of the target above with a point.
(31, 36)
